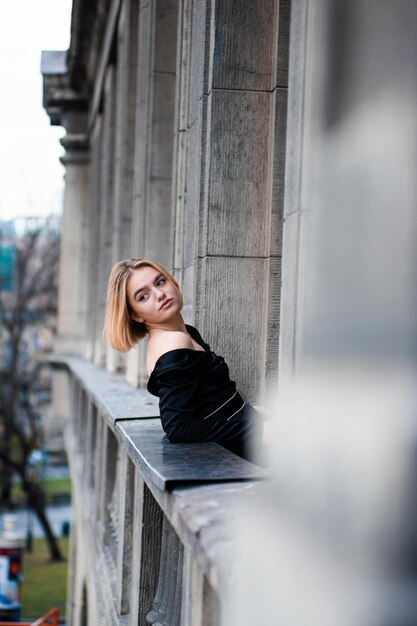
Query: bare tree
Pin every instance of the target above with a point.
(29, 305)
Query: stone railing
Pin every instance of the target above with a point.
(153, 520)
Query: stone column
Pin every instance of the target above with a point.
(103, 229)
(93, 217)
(72, 295)
(229, 178)
(72, 299)
(154, 144)
(100, 219)
(124, 144)
(67, 107)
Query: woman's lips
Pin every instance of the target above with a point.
(166, 304)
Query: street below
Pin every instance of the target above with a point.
(26, 520)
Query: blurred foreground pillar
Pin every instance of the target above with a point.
(332, 541)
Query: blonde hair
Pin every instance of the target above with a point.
(121, 330)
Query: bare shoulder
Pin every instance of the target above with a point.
(165, 341)
(171, 340)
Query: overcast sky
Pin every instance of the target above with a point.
(31, 176)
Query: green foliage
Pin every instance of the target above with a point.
(44, 582)
(57, 486)
(54, 489)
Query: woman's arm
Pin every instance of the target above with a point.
(178, 388)
(177, 381)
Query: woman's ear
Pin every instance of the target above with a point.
(136, 318)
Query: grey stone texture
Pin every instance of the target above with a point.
(229, 170)
(154, 518)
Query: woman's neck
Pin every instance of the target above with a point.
(174, 324)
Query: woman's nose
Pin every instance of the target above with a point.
(159, 293)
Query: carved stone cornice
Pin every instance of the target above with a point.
(59, 97)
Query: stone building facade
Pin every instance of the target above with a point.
(249, 146)
(175, 116)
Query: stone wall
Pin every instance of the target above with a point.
(184, 114)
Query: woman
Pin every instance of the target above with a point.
(197, 399)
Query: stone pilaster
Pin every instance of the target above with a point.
(151, 231)
(72, 302)
(229, 178)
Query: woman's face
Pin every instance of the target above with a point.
(152, 297)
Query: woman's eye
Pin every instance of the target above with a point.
(161, 281)
(142, 297)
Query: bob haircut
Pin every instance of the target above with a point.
(120, 329)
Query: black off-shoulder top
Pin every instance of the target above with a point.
(199, 402)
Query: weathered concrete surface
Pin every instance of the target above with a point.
(155, 538)
(166, 464)
(114, 398)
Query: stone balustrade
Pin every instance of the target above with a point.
(157, 518)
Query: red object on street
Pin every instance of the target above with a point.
(51, 618)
